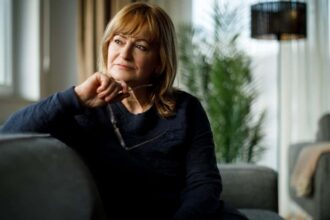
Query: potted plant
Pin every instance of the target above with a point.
(216, 71)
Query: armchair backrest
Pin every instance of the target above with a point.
(249, 186)
(323, 132)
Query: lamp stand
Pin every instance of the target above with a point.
(279, 99)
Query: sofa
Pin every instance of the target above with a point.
(316, 201)
(42, 178)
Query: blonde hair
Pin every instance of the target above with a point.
(130, 21)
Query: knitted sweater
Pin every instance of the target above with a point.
(167, 170)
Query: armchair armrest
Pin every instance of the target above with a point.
(249, 186)
(42, 178)
(316, 204)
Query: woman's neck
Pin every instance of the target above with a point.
(137, 102)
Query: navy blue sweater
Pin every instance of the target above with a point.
(168, 171)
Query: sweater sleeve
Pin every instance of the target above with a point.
(54, 115)
(200, 198)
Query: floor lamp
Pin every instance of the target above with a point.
(279, 20)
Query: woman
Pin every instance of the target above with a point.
(148, 145)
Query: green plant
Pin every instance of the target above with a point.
(218, 73)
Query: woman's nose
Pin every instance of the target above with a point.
(126, 51)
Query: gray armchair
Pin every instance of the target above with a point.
(252, 189)
(41, 178)
(315, 203)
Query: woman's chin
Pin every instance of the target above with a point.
(127, 79)
(120, 78)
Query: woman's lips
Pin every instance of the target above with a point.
(124, 66)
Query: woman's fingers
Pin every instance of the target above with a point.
(100, 89)
(124, 86)
(113, 87)
(104, 82)
(111, 90)
(115, 95)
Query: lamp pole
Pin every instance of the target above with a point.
(279, 99)
(284, 20)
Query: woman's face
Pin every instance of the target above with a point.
(132, 59)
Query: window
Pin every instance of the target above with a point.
(20, 49)
(5, 45)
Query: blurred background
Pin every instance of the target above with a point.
(280, 87)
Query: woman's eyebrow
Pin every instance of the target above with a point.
(122, 35)
(136, 39)
(142, 40)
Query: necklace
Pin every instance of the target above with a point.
(119, 135)
(115, 127)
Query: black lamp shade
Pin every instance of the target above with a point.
(281, 20)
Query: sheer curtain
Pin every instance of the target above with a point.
(93, 16)
(305, 83)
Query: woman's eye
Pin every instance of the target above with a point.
(118, 41)
(141, 47)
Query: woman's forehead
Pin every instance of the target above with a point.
(139, 36)
(139, 30)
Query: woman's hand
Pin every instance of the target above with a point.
(100, 89)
